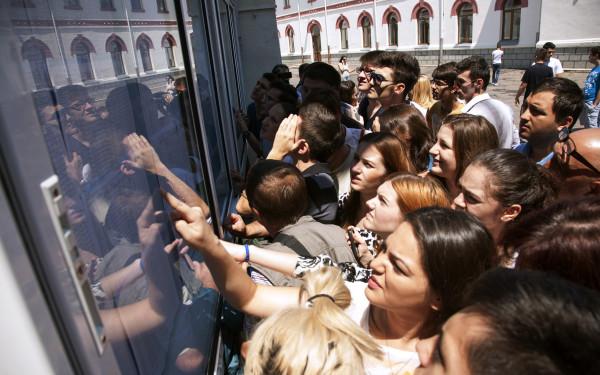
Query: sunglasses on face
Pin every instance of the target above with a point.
(378, 79)
(80, 104)
(439, 83)
(364, 70)
(568, 148)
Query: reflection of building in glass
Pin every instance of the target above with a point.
(351, 27)
(95, 42)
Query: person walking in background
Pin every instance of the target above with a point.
(344, 69)
(591, 92)
(496, 63)
(533, 76)
(552, 61)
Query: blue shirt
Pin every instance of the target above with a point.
(591, 85)
(524, 149)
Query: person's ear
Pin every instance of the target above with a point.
(511, 212)
(302, 147)
(479, 83)
(399, 89)
(435, 302)
(567, 122)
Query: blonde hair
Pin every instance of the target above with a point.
(320, 339)
(421, 93)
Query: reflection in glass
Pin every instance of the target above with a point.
(82, 48)
(115, 143)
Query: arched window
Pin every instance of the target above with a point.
(36, 53)
(392, 21)
(115, 46)
(290, 37)
(511, 20)
(168, 42)
(465, 23)
(81, 49)
(366, 32)
(144, 44)
(344, 25)
(423, 25)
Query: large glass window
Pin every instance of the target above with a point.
(511, 20)
(392, 21)
(344, 34)
(465, 23)
(114, 145)
(423, 26)
(366, 32)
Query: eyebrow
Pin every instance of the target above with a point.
(536, 108)
(396, 259)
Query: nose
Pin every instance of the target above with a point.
(372, 203)
(459, 202)
(433, 151)
(425, 350)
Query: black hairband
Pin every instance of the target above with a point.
(320, 295)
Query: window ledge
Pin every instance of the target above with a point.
(509, 42)
(462, 45)
(141, 10)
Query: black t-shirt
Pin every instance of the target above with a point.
(534, 75)
(322, 190)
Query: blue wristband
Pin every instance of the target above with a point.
(247, 258)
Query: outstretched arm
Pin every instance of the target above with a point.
(143, 156)
(235, 285)
(281, 262)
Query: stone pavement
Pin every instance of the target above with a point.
(505, 91)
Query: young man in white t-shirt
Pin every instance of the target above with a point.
(496, 62)
(551, 61)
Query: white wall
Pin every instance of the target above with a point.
(570, 23)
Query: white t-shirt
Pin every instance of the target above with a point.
(556, 66)
(395, 361)
(497, 56)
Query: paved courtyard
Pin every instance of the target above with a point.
(505, 91)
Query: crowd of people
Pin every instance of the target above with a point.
(402, 224)
(405, 224)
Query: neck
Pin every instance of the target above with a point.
(303, 164)
(395, 329)
(540, 150)
(448, 103)
(453, 189)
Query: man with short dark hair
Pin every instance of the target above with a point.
(393, 77)
(552, 61)
(441, 89)
(533, 76)
(277, 195)
(367, 108)
(576, 163)
(591, 92)
(471, 85)
(553, 107)
(518, 323)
